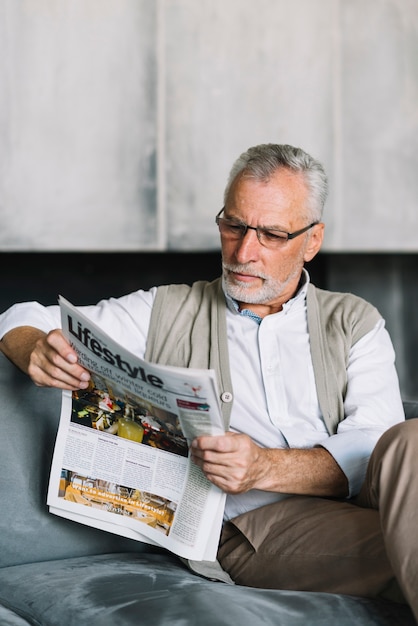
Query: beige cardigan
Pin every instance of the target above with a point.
(188, 329)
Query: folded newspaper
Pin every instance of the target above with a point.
(121, 460)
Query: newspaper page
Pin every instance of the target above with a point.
(121, 461)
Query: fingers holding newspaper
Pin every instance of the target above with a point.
(49, 359)
(232, 461)
(53, 363)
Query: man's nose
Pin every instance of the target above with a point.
(248, 248)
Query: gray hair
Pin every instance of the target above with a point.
(260, 162)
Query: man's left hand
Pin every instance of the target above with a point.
(230, 461)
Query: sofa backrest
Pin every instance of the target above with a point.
(28, 532)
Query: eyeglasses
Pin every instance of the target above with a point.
(268, 237)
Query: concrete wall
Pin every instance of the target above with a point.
(119, 119)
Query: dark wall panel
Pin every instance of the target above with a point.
(389, 281)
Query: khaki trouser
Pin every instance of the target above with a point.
(366, 547)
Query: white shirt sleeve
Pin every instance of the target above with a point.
(372, 405)
(125, 319)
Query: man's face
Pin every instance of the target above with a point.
(261, 277)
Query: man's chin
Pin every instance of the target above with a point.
(242, 292)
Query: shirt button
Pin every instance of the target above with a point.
(226, 396)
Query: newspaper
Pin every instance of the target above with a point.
(121, 460)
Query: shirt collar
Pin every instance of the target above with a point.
(299, 296)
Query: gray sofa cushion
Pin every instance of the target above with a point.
(123, 590)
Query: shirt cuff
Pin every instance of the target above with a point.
(351, 450)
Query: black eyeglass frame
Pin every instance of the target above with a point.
(259, 229)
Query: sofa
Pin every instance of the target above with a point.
(55, 572)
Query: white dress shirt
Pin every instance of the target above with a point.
(275, 399)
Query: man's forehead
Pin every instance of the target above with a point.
(282, 196)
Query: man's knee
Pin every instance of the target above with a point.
(402, 436)
(392, 466)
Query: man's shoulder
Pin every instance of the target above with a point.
(334, 299)
(181, 292)
(183, 287)
(348, 313)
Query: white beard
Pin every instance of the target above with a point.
(270, 289)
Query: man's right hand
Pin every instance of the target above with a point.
(48, 359)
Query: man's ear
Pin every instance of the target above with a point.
(315, 241)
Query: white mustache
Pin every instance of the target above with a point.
(243, 269)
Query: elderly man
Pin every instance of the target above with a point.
(318, 463)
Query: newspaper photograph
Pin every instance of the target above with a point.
(121, 461)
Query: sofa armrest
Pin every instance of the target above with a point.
(29, 418)
(411, 408)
